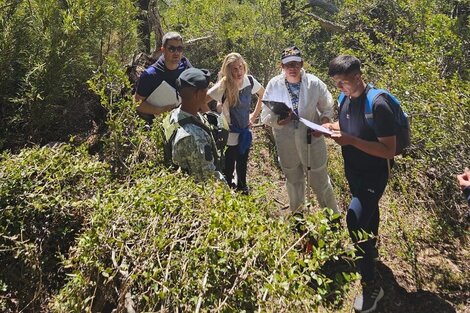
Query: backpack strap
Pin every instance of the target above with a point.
(372, 94)
(252, 83)
(195, 121)
(341, 98)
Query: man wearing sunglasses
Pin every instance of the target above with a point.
(300, 153)
(167, 68)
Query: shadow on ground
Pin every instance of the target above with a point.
(397, 299)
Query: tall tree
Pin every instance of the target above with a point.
(144, 25)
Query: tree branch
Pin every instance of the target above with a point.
(328, 25)
(156, 24)
(195, 40)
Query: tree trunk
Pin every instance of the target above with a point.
(144, 25)
(285, 13)
(156, 24)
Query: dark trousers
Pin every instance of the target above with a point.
(235, 160)
(363, 215)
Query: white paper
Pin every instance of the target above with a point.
(163, 95)
(315, 127)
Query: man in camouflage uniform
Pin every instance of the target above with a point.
(193, 148)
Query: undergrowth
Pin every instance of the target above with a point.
(168, 243)
(46, 195)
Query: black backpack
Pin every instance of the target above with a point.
(402, 123)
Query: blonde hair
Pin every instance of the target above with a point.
(229, 86)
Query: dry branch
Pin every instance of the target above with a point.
(196, 40)
(328, 25)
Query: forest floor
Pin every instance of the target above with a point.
(417, 277)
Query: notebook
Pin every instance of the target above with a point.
(163, 95)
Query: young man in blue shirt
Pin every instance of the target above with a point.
(368, 153)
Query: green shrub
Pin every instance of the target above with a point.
(129, 146)
(45, 197)
(51, 50)
(248, 27)
(168, 243)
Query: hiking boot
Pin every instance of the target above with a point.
(244, 190)
(366, 301)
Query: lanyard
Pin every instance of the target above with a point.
(295, 104)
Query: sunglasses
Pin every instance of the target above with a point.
(173, 49)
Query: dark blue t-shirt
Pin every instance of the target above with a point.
(353, 122)
(153, 76)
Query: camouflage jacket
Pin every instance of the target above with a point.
(192, 148)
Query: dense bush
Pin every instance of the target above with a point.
(49, 50)
(132, 148)
(167, 243)
(46, 195)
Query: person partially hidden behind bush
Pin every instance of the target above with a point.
(193, 147)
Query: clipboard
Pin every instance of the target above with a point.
(279, 108)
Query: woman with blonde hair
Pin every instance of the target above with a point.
(233, 92)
